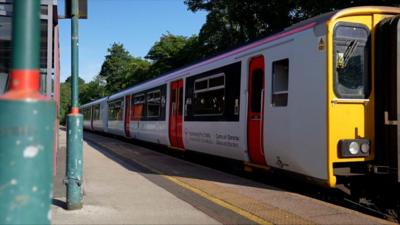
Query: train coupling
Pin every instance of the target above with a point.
(380, 169)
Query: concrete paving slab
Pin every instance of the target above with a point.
(117, 195)
(262, 201)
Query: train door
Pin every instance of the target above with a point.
(255, 110)
(127, 118)
(175, 114)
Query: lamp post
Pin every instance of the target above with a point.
(74, 178)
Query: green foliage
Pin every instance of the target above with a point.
(92, 90)
(87, 92)
(171, 52)
(115, 69)
(230, 23)
(65, 101)
(120, 70)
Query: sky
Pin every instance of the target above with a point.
(137, 24)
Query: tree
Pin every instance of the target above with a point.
(172, 52)
(163, 54)
(121, 70)
(138, 71)
(81, 81)
(92, 90)
(230, 23)
(115, 68)
(65, 101)
(65, 96)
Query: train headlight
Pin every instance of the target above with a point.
(365, 148)
(354, 148)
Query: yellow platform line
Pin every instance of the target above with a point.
(209, 197)
(219, 202)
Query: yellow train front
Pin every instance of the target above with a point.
(362, 70)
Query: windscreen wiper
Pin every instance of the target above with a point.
(350, 51)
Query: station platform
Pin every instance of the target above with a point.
(129, 184)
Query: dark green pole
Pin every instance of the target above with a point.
(26, 127)
(75, 53)
(74, 123)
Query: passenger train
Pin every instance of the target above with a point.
(319, 99)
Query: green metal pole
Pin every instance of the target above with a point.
(74, 124)
(26, 127)
(75, 53)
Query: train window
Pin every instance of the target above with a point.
(209, 95)
(213, 95)
(280, 83)
(3, 82)
(257, 86)
(96, 112)
(154, 103)
(180, 105)
(351, 56)
(202, 84)
(86, 114)
(115, 110)
(137, 107)
(5, 51)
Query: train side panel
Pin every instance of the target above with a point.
(100, 120)
(213, 108)
(152, 131)
(115, 115)
(295, 104)
(148, 115)
(87, 114)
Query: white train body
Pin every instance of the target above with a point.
(206, 107)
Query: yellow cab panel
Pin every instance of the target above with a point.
(350, 70)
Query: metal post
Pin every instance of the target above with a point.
(26, 127)
(74, 124)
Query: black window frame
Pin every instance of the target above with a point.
(145, 114)
(232, 87)
(96, 116)
(208, 89)
(152, 100)
(86, 112)
(367, 61)
(137, 99)
(111, 106)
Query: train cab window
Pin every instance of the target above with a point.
(154, 104)
(209, 95)
(115, 110)
(280, 83)
(351, 56)
(137, 107)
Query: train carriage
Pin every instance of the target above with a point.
(95, 115)
(303, 100)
